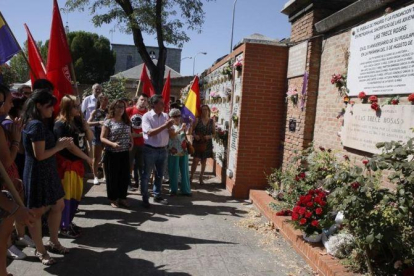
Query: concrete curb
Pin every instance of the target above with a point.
(315, 255)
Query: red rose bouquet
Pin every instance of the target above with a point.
(310, 212)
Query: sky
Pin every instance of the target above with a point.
(252, 16)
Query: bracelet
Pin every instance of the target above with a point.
(14, 210)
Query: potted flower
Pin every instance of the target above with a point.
(238, 65)
(228, 72)
(292, 94)
(310, 214)
(214, 95)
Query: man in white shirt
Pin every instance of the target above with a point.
(89, 103)
(155, 125)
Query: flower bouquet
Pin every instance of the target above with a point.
(238, 65)
(214, 111)
(222, 134)
(340, 82)
(292, 95)
(310, 214)
(227, 71)
(214, 95)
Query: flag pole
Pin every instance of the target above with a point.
(72, 71)
(138, 86)
(21, 51)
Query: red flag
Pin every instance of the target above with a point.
(37, 67)
(147, 87)
(166, 93)
(59, 58)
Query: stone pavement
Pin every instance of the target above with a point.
(195, 235)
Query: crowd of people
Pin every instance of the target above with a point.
(46, 146)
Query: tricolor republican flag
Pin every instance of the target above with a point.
(192, 105)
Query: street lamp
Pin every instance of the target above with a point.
(186, 58)
(194, 59)
(232, 26)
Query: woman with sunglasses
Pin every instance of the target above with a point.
(70, 160)
(43, 187)
(117, 138)
(178, 155)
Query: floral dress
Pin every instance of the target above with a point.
(177, 146)
(204, 130)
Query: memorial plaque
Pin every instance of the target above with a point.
(297, 60)
(364, 128)
(382, 55)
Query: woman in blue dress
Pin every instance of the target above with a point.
(43, 187)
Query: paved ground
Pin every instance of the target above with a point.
(200, 235)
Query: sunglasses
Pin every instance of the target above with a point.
(120, 106)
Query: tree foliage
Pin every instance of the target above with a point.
(7, 75)
(92, 57)
(168, 20)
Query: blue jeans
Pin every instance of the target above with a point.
(153, 158)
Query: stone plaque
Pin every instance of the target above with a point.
(364, 128)
(297, 60)
(382, 55)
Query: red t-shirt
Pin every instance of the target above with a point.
(135, 115)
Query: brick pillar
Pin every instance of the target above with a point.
(302, 30)
(262, 111)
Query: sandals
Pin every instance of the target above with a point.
(45, 258)
(114, 204)
(57, 248)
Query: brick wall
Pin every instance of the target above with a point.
(318, 122)
(303, 29)
(262, 116)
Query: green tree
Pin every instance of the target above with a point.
(7, 75)
(92, 57)
(19, 64)
(166, 19)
